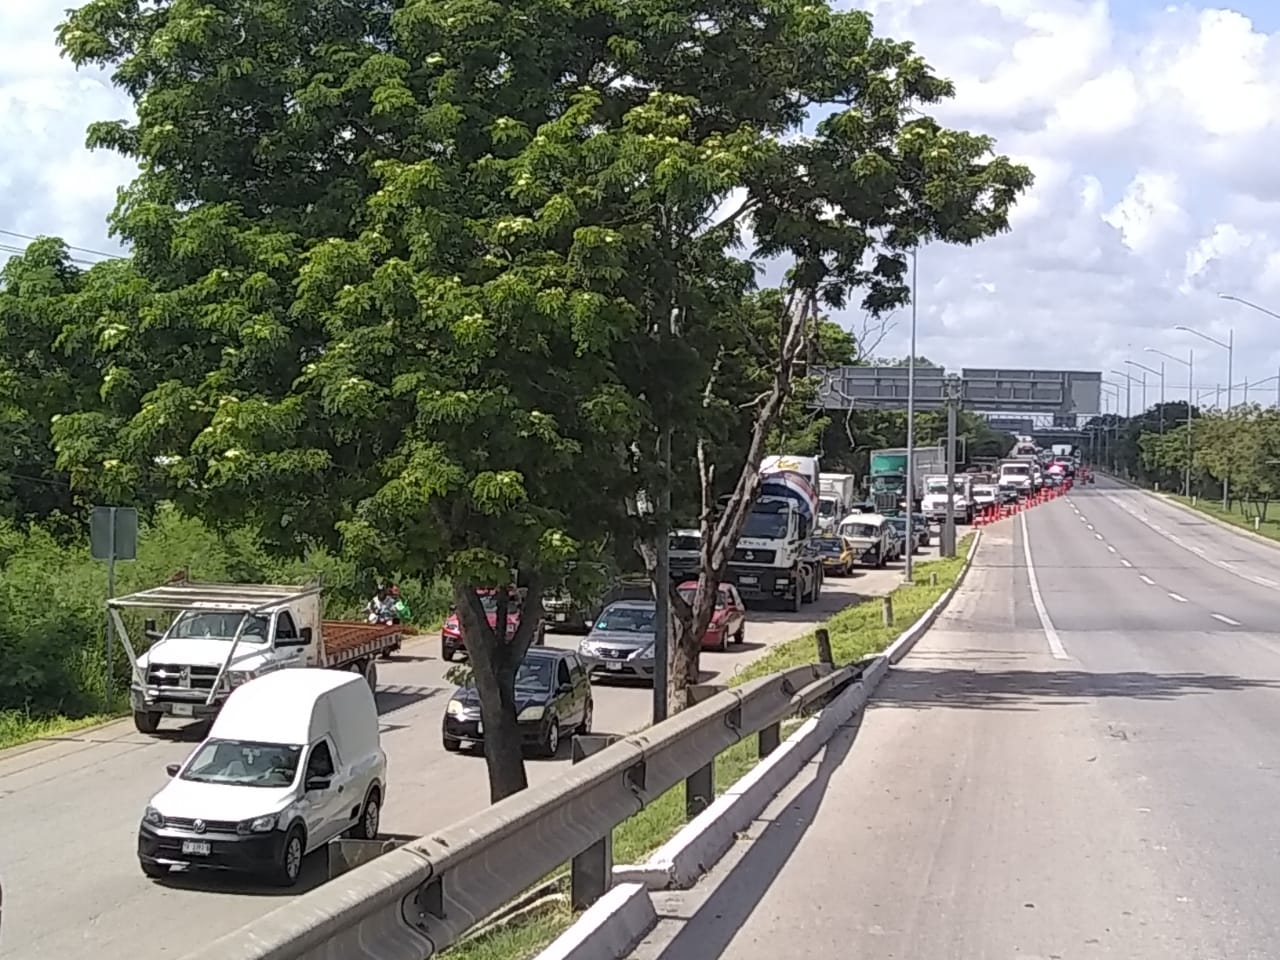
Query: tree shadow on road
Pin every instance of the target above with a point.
(708, 933)
(958, 688)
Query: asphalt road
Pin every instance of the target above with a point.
(1096, 778)
(72, 887)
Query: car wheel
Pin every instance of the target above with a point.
(289, 868)
(447, 653)
(145, 721)
(551, 740)
(450, 745)
(723, 644)
(741, 636)
(366, 827)
(155, 871)
(797, 598)
(584, 727)
(370, 671)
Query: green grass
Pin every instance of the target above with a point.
(17, 727)
(1236, 516)
(855, 633)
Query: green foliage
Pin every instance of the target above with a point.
(52, 616)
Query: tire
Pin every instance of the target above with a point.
(550, 745)
(154, 871)
(741, 636)
(366, 827)
(145, 721)
(450, 745)
(540, 638)
(370, 671)
(447, 653)
(584, 727)
(797, 598)
(289, 868)
(723, 645)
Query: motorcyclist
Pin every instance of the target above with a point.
(377, 604)
(396, 610)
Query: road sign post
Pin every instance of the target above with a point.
(113, 535)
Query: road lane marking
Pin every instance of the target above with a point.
(1098, 536)
(1126, 563)
(1179, 597)
(1227, 620)
(1111, 548)
(1147, 580)
(1083, 518)
(1265, 581)
(1091, 526)
(1050, 632)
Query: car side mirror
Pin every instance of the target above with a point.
(172, 769)
(565, 688)
(317, 784)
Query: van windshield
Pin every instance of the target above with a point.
(862, 530)
(208, 625)
(244, 763)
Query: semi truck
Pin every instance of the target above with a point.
(222, 635)
(888, 476)
(775, 558)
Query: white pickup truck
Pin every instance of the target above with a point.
(224, 634)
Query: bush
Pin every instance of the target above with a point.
(53, 616)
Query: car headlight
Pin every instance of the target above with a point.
(647, 652)
(153, 817)
(454, 709)
(531, 713)
(258, 824)
(238, 677)
(587, 648)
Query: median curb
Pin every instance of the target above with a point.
(909, 637)
(1200, 514)
(699, 845)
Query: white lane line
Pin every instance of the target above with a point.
(1227, 620)
(1098, 536)
(1199, 550)
(1179, 597)
(1126, 563)
(1050, 632)
(1265, 581)
(1083, 518)
(1111, 548)
(1147, 580)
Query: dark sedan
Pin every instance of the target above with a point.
(553, 697)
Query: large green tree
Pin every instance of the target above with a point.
(432, 280)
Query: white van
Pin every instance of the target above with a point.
(292, 761)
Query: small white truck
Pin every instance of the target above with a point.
(934, 504)
(224, 634)
(836, 494)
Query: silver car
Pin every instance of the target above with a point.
(620, 643)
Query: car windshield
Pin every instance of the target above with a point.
(765, 525)
(860, 530)
(204, 624)
(244, 763)
(535, 673)
(687, 593)
(490, 603)
(627, 620)
(899, 525)
(682, 543)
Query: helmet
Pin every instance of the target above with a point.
(394, 591)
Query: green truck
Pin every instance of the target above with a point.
(888, 476)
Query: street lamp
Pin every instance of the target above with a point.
(1190, 364)
(1159, 373)
(1230, 347)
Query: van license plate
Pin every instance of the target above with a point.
(196, 848)
(184, 710)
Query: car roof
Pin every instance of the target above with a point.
(693, 585)
(546, 653)
(634, 604)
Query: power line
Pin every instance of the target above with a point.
(19, 251)
(69, 246)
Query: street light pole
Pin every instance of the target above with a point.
(1230, 347)
(911, 426)
(1190, 364)
(1159, 373)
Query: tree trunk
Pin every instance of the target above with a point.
(685, 665)
(494, 659)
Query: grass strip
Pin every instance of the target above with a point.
(1269, 528)
(855, 632)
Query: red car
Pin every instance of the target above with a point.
(451, 642)
(728, 619)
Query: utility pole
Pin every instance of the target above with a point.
(662, 591)
(953, 388)
(911, 426)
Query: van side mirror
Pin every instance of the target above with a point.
(317, 783)
(172, 769)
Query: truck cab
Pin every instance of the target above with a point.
(935, 498)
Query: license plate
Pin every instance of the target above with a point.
(562, 617)
(479, 726)
(184, 710)
(613, 666)
(196, 848)
(749, 579)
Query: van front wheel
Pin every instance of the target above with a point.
(289, 867)
(370, 817)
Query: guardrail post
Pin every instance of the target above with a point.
(886, 610)
(591, 871)
(933, 578)
(700, 786)
(768, 739)
(823, 639)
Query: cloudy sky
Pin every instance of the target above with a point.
(1153, 130)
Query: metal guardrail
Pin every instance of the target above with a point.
(423, 896)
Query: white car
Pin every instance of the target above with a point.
(292, 761)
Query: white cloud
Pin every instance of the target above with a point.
(1152, 130)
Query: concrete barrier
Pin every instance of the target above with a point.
(609, 928)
